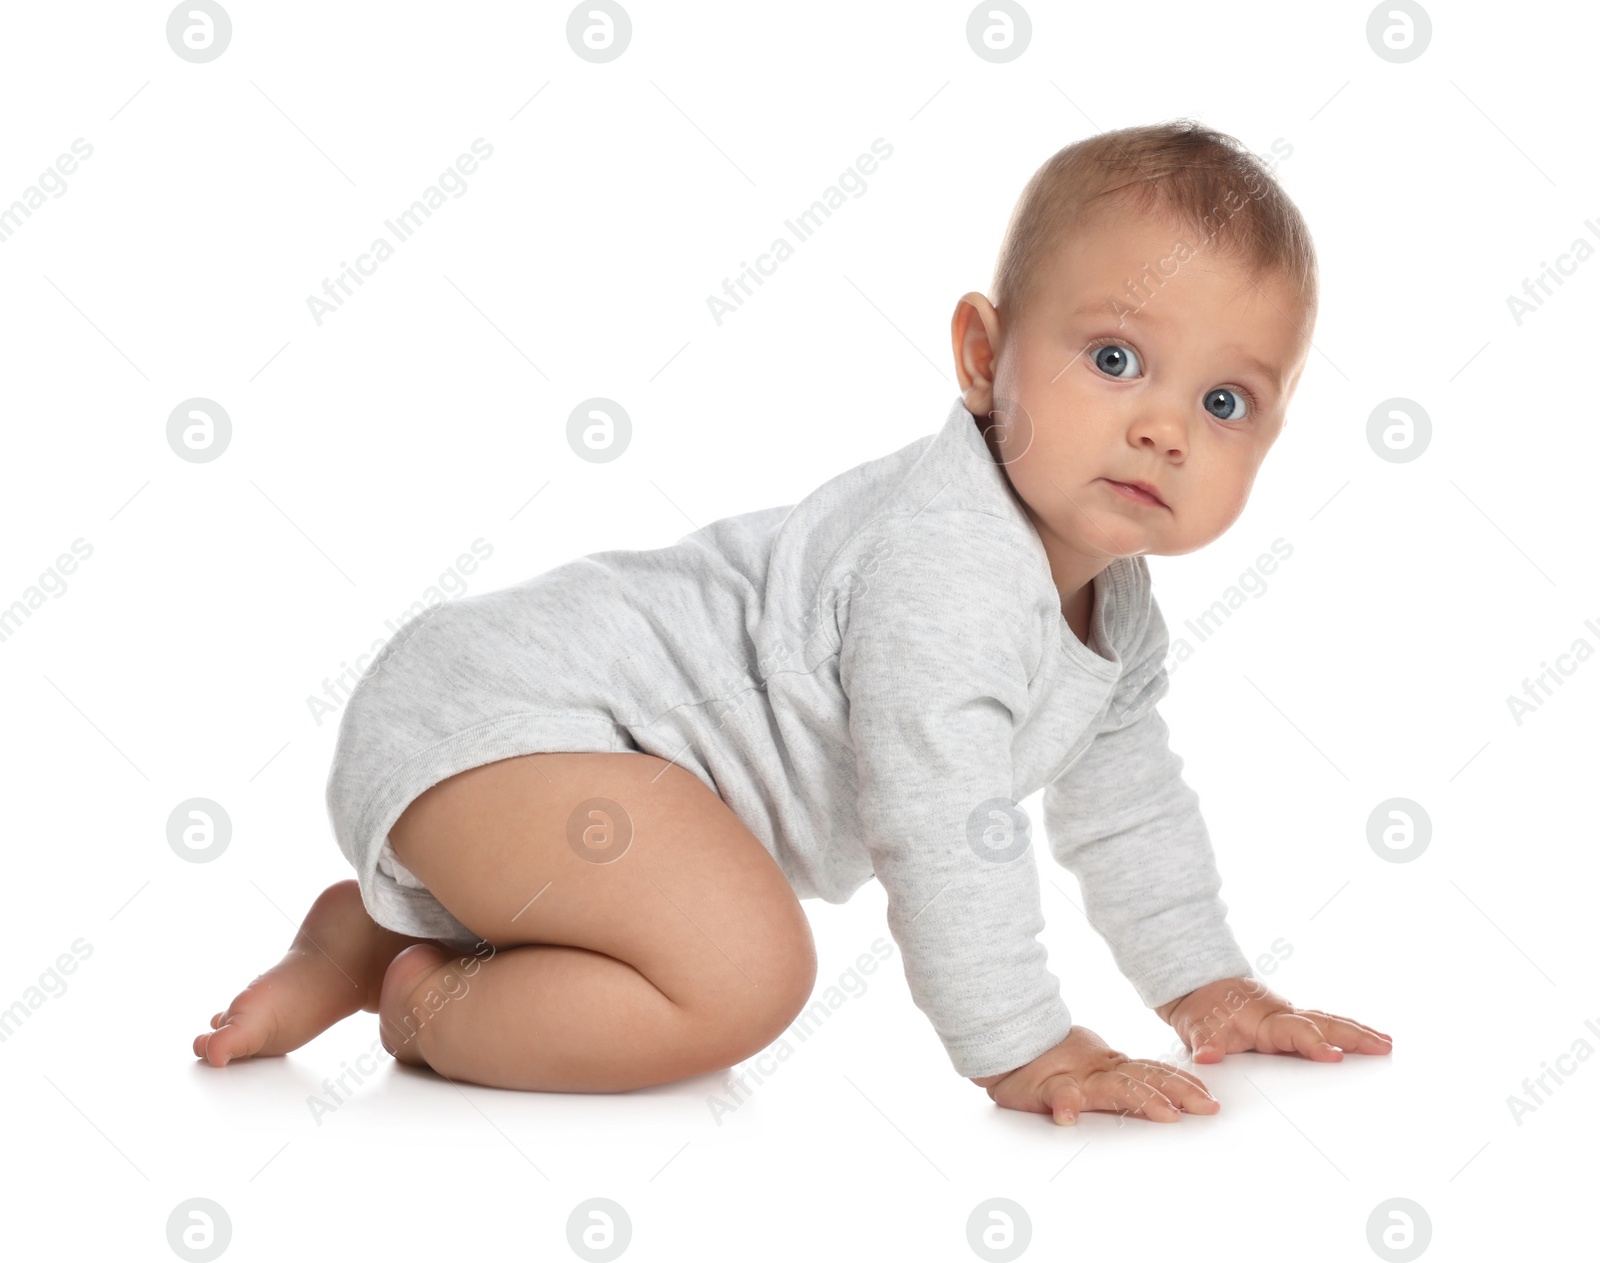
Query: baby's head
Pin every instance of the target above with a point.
(1152, 312)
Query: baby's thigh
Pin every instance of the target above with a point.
(621, 853)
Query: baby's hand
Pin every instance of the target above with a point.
(1083, 1073)
(1241, 1014)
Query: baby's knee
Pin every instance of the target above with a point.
(741, 1026)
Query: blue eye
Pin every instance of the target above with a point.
(1226, 405)
(1115, 361)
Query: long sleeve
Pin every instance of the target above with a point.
(1126, 824)
(935, 660)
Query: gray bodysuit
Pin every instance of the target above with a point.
(871, 679)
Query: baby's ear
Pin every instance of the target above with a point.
(974, 333)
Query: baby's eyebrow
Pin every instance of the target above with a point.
(1273, 374)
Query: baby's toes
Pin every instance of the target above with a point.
(236, 1036)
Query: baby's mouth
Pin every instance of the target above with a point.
(1138, 494)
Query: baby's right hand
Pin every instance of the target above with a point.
(1083, 1073)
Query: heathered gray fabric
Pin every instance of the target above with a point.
(870, 679)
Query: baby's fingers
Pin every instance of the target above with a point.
(1209, 1047)
(1350, 1035)
(1295, 1032)
(1179, 1086)
(1126, 1091)
(1063, 1098)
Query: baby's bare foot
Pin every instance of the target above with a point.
(333, 968)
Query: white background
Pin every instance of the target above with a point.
(369, 452)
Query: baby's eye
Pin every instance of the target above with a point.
(1116, 361)
(1226, 405)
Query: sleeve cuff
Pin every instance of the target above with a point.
(1005, 1048)
(1180, 971)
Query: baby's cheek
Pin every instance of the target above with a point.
(1233, 494)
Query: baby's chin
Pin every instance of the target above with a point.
(1093, 532)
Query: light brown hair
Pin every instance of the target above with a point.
(1192, 175)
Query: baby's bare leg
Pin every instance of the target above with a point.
(685, 953)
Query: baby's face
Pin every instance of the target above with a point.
(1181, 382)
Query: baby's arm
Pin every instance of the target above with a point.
(934, 680)
(935, 661)
(1125, 822)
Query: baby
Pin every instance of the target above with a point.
(583, 809)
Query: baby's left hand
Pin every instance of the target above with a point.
(1243, 1015)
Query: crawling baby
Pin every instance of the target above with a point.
(583, 810)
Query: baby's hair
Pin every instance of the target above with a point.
(1191, 174)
